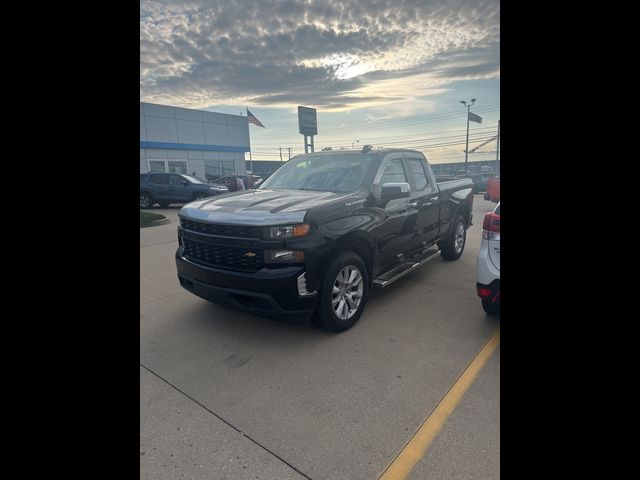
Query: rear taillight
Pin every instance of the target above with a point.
(483, 292)
(491, 226)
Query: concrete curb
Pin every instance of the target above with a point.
(161, 221)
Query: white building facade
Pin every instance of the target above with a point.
(196, 142)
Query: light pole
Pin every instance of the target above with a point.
(466, 150)
(354, 142)
(498, 150)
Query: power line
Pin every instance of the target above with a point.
(414, 119)
(476, 137)
(375, 139)
(404, 144)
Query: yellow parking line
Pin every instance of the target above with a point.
(416, 448)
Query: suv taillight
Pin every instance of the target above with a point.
(491, 226)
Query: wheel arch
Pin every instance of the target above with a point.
(361, 245)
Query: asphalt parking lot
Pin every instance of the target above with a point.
(227, 395)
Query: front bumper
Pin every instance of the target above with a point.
(269, 292)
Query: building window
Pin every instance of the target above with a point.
(171, 166)
(156, 166)
(228, 167)
(212, 170)
(177, 166)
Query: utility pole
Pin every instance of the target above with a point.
(466, 149)
(498, 150)
(280, 154)
(289, 148)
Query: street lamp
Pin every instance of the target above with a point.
(466, 150)
(354, 142)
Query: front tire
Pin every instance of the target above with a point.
(490, 308)
(200, 196)
(452, 247)
(343, 294)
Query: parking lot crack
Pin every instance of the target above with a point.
(160, 243)
(248, 437)
(162, 298)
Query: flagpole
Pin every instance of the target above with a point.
(250, 155)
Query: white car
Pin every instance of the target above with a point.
(488, 265)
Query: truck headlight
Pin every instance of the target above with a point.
(283, 256)
(288, 231)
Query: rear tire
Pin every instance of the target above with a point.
(146, 201)
(490, 308)
(343, 294)
(452, 247)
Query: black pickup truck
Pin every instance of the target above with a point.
(320, 233)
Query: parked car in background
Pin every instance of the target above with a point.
(168, 188)
(488, 263)
(231, 181)
(479, 181)
(444, 178)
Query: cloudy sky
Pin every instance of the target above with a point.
(388, 73)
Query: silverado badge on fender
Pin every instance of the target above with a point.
(249, 254)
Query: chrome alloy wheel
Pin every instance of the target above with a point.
(459, 240)
(347, 292)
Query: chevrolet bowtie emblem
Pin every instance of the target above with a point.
(249, 254)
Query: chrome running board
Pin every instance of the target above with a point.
(390, 276)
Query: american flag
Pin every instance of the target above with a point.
(252, 119)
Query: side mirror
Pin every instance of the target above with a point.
(394, 190)
(185, 183)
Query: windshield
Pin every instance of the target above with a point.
(327, 173)
(193, 179)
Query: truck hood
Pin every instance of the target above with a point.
(260, 207)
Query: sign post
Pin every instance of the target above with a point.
(307, 125)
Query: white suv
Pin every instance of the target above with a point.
(488, 266)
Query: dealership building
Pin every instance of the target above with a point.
(182, 140)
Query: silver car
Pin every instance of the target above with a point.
(488, 264)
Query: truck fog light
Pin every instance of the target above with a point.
(302, 286)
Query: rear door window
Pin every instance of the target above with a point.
(159, 179)
(176, 180)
